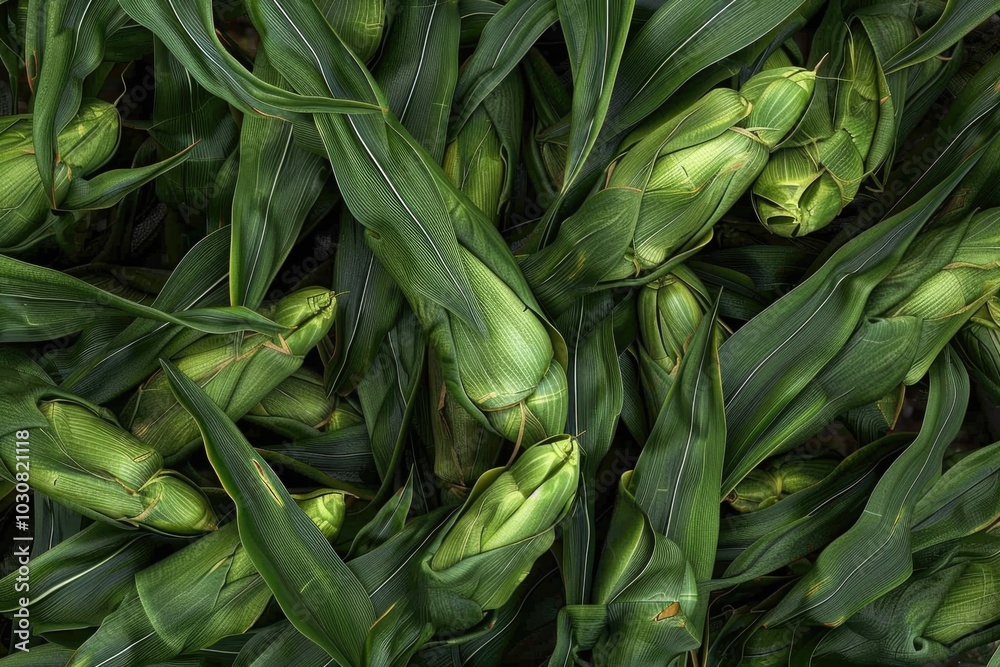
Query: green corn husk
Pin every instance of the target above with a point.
(81, 580)
(463, 448)
(482, 159)
(76, 454)
(674, 182)
(235, 378)
(764, 487)
(487, 549)
(511, 374)
(851, 131)
(803, 188)
(948, 274)
(195, 597)
(88, 141)
(300, 397)
(979, 344)
(299, 407)
(124, 480)
(670, 309)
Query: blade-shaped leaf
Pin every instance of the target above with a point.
(199, 280)
(679, 40)
(596, 397)
(676, 478)
(418, 69)
(873, 556)
(278, 183)
(871, 363)
(958, 19)
(108, 188)
(188, 31)
(381, 170)
(37, 303)
(774, 356)
(506, 38)
(185, 114)
(65, 42)
(595, 32)
(314, 587)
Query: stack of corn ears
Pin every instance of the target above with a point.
(460, 332)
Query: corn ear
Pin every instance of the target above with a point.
(802, 189)
(670, 309)
(88, 142)
(764, 487)
(481, 160)
(300, 408)
(509, 372)
(507, 522)
(195, 597)
(673, 183)
(83, 460)
(237, 374)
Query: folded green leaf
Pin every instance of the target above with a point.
(958, 19)
(873, 556)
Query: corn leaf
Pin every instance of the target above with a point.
(418, 73)
(64, 43)
(81, 580)
(281, 644)
(872, 362)
(972, 123)
(681, 461)
(37, 303)
(388, 392)
(959, 17)
(873, 556)
(313, 586)
(964, 501)
(775, 355)
(278, 183)
(679, 40)
(108, 188)
(198, 281)
(595, 32)
(418, 69)
(184, 115)
(370, 307)
(188, 30)
(505, 40)
(595, 390)
(771, 538)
